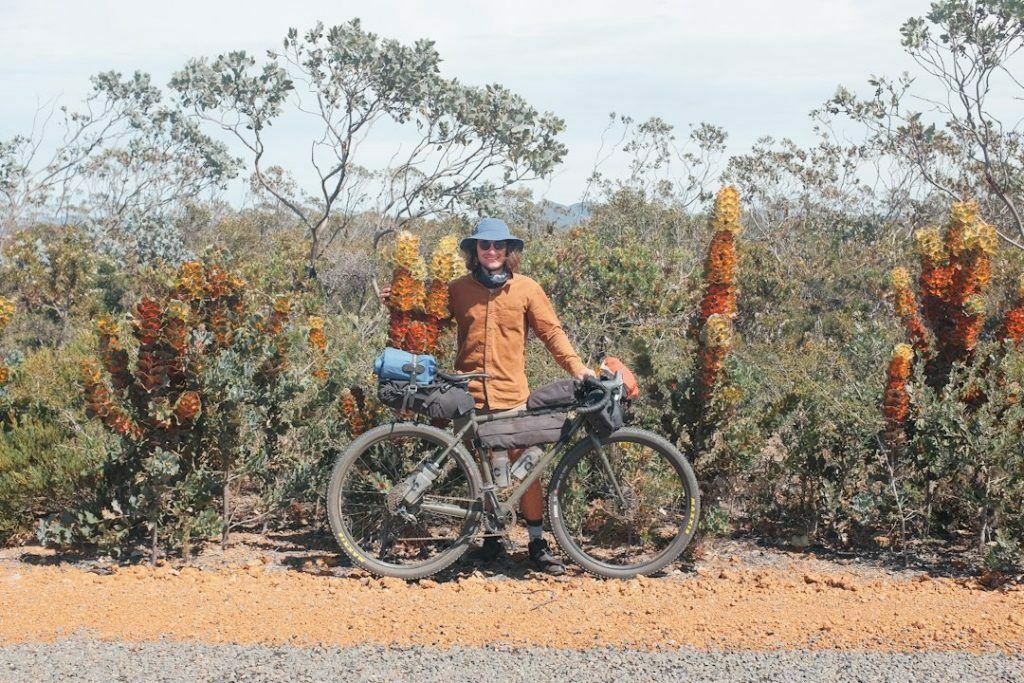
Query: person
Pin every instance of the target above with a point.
(494, 307)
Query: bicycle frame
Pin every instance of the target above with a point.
(489, 491)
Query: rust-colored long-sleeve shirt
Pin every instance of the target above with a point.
(492, 328)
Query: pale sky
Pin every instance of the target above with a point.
(756, 68)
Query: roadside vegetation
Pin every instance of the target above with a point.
(833, 338)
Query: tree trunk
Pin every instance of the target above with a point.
(153, 543)
(226, 505)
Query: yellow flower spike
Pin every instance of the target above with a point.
(899, 278)
(106, 325)
(6, 311)
(91, 373)
(928, 242)
(904, 351)
(418, 269)
(316, 322)
(1020, 288)
(444, 264)
(282, 305)
(407, 250)
(178, 309)
(727, 210)
(717, 331)
(963, 213)
(981, 236)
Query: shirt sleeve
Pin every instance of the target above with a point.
(547, 327)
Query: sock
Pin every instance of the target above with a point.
(535, 530)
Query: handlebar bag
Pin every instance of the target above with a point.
(435, 401)
(609, 418)
(522, 432)
(402, 366)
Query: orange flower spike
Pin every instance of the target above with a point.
(403, 291)
(147, 321)
(437, 299)
(398, 329)
(896, 401)
(1013, 325)
(317, 338)
(188, 407)
(6, 312)
(721, 262)
(417, 338)
(348, 402)
(5, 373)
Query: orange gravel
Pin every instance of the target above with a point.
(790, 606)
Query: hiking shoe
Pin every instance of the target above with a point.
(543, 560)
(489, 551)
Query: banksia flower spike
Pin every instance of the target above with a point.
(5, 373)
(398, 329)
(1012, 328)
(317, 339)
(905, 304)
(187, 407)
(896, 400)
(6, 312)
(417, 339)
(355, 416)
(720, 267)
(147, 322)
(112, 354)
(318, 342)
(716, 340)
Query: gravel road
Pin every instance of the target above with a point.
(91, 660)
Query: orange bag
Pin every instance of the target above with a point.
(613, 365)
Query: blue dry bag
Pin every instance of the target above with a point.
(395, 364)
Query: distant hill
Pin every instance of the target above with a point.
(562, 217)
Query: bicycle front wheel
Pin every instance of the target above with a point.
(371, 523)
(623, 506)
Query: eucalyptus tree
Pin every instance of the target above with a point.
(123, 165)
(957, 142)
(466, 143)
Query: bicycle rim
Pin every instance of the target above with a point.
(371, 532)
(633, 515)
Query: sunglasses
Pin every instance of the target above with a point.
(499, 245)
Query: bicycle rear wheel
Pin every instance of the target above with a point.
(628, 513)
(364, 502)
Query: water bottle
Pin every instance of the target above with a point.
(499, 468)
(526, 462)
(420, 482)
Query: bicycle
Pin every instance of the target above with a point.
(405, 499)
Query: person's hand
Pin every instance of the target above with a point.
(585, 372)
(385, 294)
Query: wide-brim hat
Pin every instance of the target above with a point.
(491, 229)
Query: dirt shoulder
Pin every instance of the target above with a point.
(738, 596)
